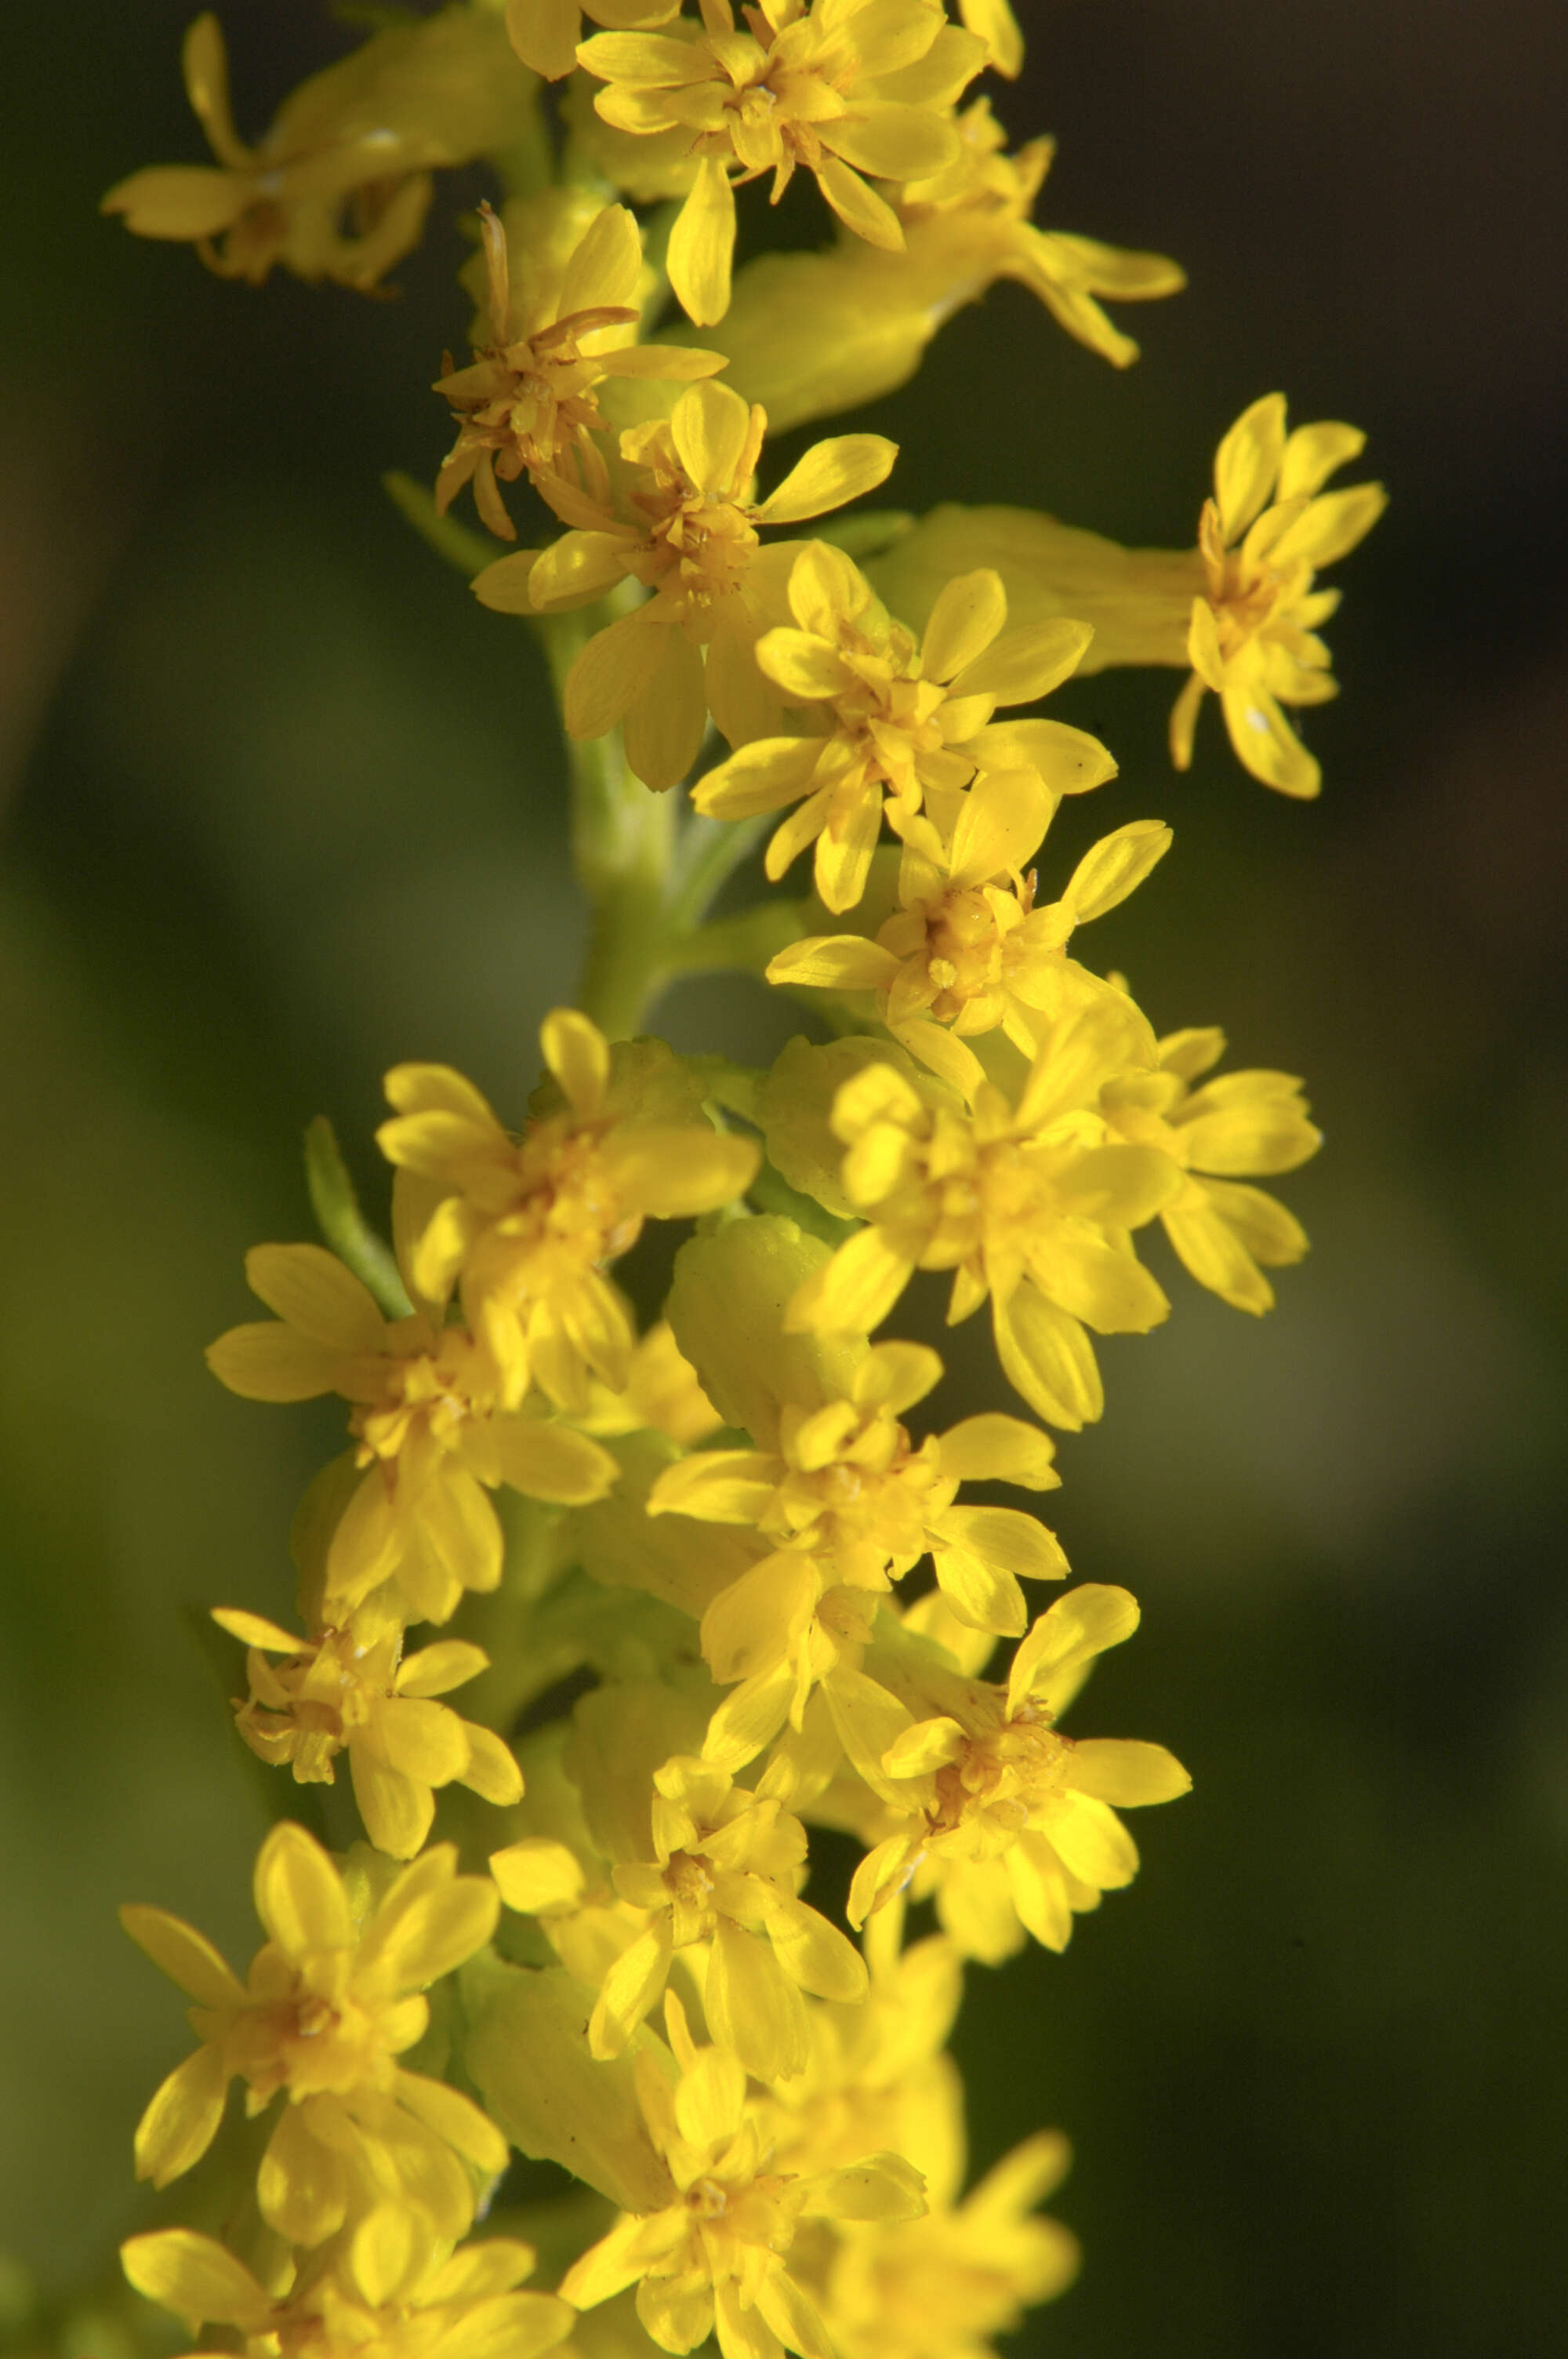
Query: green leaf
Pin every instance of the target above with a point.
(344, 1227)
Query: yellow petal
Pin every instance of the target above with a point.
(1070, 761)
(665, 727)
(631, 1989)
(1266, 744)
(1053, 1661)
(993, 22)
(266, 1361)
(831, 473)
(835, 962)
(1023, 664)
(255, 1630)
(196, 2278)
(1246, 464)
(455, 2119)
(551, 1462)
(1091, 1841)
(1315, 452)
(505, 587)
(182, 2119)
(396, 1809)
(702, 243)
(422, 1738)
(605, 265)
(1048, 1358)
(611, 673)
(579, 566)
(1116, 1771)
(1331, 526)
(420, 1938)
(758, 777)
(186, 1956)
(883, 2187)
(298, 1894)
(537, 1874)
(491, 1773)
(969, 613)
(709, 427)
(813, 1952)
(720, 1486)
(858, 207)
(435, 1670)
(994, 1447)
(754, 2009)
(179, 201)
(856, 1290)
(1116, 866)
(545, 35)
(1004, 1537)
(310, 1288)
(578, 1055)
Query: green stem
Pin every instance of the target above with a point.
(709, 851)
(621, 835)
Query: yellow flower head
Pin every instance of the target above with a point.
(529, 403)
(970, 948)
(430, 1430)
(1262, 537)
(394, 2291)
(898, 720)
(327, 2009)
(839, 1497)
(719, 2254)
(690, 648)
(973, 223)
(1242, 1124)
(924, 2288)
(838, 88)
(1030, 1204)
(848, 1487)
(346, 1690)
(527, 1224)
(1011, 1822)
(727, 1867)
(339, 186)
(810, 333)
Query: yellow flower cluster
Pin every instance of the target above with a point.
(718, 1578)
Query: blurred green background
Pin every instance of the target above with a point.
(282, 805)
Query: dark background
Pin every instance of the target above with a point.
(284, 806)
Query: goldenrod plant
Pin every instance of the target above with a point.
(720, 1587)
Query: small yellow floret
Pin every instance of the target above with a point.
(838, 88)
(338, 188)
(394, 2289)
(897, 721)
(529, 402)
(720, 2253)
(431, 1430)
(525, 1225)
(1011, 1824)
(849, 1488)
(693, 540)
(970, 948)
(727, 1869)
(346, 1690)
(1240, 1125)
(1030, 1204)
(1253, 638)
(327, 2009)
